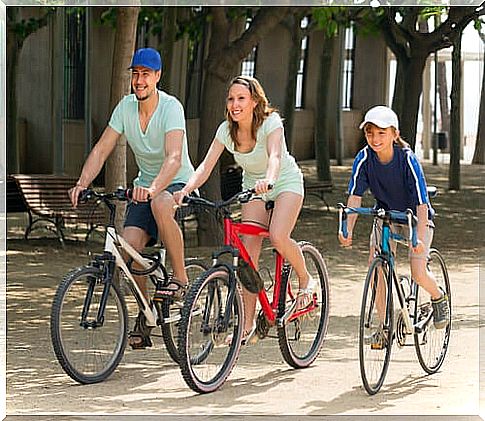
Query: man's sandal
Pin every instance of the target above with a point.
(174, 289)
(139, 337)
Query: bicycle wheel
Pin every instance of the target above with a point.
(171, 310)
(301, 338)
(87, 351)
(207, 352)
(431, 344)
(375, 329)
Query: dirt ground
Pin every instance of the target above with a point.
(148, 383)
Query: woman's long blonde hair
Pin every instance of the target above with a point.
(262, 110)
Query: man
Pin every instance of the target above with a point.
(153, 123)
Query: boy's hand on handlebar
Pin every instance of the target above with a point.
(420, 248)
(345, 242)
(263, 186)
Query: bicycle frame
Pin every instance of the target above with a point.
(234, 245)
(113, 244)
(384, 252)
(232, 230)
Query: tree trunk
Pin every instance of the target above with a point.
(455, 123)
(405, 102)
(322, 131)
(167, 42)
(443, 94)
(126, 24)
(293, 66)
(14, 46)
(479, 154)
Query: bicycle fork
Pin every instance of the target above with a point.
(107, 263)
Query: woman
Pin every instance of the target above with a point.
(253, 133)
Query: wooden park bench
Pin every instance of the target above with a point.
(45, 199)
(319, 188)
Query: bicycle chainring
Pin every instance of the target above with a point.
(262, 325)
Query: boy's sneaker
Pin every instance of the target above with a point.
(441, 312)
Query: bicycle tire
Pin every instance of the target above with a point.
(374, 361)
(171, 310)
(432, 344)
(298, 345)
(88, 354)
(206, 359)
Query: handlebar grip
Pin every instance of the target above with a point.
(84, 196)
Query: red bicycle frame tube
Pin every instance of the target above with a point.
(232, 231)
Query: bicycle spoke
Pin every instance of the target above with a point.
(375, 327)
(209, 344)
(431, 344)
(87, 349)
(301, 337)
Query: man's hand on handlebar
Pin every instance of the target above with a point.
(141, 194)
(74, 193)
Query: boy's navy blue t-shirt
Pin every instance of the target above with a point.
(398, 185)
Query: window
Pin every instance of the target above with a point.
(248, 65)
(300, 77)
(74, 63)
(348, 68)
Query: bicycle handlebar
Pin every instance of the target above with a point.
(120, 194)
(405, 218)
(241, 197)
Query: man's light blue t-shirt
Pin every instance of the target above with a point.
(149, 147)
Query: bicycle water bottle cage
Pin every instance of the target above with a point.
(251, 279)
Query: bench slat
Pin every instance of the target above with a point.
(47, 197)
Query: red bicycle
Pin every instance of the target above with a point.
(211, 325)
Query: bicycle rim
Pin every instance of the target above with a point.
(171, 311)
(86, 353)
(431, 344)
(376, 319)
(207, 354)
(301, 338)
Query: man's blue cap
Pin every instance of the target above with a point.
(147, 57)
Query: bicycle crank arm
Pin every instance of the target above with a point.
(282, 320)
(421, 326)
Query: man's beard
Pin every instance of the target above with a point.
(144, 98)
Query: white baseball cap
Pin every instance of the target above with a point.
(382, 117)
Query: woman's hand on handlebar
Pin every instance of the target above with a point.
(263, 186)
(178, 196)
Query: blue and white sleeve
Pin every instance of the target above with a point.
(417, 181)
(359, 183)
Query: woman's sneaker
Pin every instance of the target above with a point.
(441, 312)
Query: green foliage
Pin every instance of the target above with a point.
(329, 18)
(193, 26)
(108, 17)
(23, 28)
